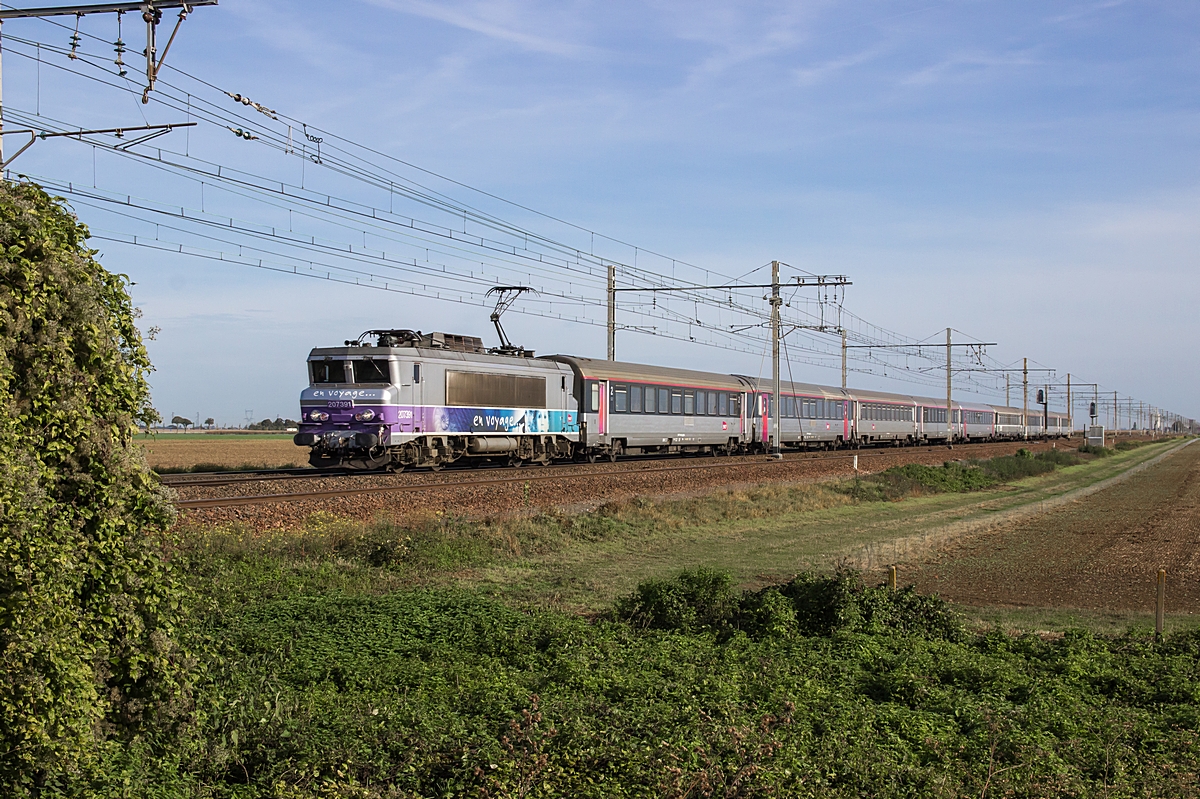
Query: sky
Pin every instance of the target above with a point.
(1025, 173)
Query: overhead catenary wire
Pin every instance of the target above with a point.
(343, 157)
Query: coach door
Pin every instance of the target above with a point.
(601, 394)
(845, 420)
(764, 412)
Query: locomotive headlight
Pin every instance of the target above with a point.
(365, 416)
(318, 416)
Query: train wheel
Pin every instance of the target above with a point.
(516, 462)
(436, 466)
(592, 457)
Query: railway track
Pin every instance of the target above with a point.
(248, 476)
(532, 475)
(215, 479)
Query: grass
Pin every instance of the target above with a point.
(582, 562)
(1101, 622)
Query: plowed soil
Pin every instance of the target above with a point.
(1101, 552)
(223, 450)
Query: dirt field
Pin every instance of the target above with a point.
(1100, 553)
(180, 451)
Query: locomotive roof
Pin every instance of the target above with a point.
(597, 369)
(429, 355)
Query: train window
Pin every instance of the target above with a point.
(371, 372)
(635, 399)
(689, 403)
(723, 404)
(328, 371)
(664, 401)
(676, 402)
(594, 405)
(712, 403)
(734, 405)
(620, 399)
(650, 395)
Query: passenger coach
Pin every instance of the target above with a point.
(635, 409)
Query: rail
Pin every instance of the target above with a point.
(561, 472)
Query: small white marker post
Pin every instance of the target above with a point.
(856, 464)
(1161, 605)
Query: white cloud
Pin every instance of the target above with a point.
(811, 75)
(969, 68)
(538, 29)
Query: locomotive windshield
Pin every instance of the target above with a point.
(328, 371)
(371, 372)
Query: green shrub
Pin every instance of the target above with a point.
(693, 601)
(951, 477)
(1102, 452)
(825, 604)
(702, 600)
(89, 608)
(1007, 468)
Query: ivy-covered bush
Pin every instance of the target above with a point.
(89, 660)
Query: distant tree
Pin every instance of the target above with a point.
(277, 424)
(209, 422)
(88, 606)
(179, 420)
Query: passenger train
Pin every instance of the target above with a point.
(430, 399)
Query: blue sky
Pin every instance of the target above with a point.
(1023, 172)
